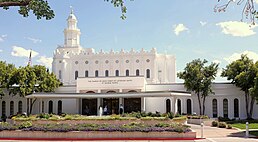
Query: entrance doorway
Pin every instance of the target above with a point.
(132, 105)
(112, 105)
(89, 106)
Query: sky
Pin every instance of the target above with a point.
(186, 29)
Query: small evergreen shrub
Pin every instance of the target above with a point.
(229, 126)
(214, 123)
(222, 125)
(26, 124)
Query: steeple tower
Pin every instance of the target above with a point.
(72, 33)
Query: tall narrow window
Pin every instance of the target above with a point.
(148, 73)
(117, 72)
(59, 107)
(60, 74)
(127, 73)
(168, 106)
(4, 108)
(179, 109)
(43, 107)
(225, 108)
(50, 107)
(137, 72)
(86, 73)
(11, 108)
(96, 73)
(189, 106)
(214, 108)
(76, 75)
(106, 73)
(20, 106)
(236, 108)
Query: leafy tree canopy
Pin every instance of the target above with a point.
(198, 79)
(243, 73)
(41, 8)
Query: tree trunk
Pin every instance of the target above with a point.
(203, 105)
(251, 107)
(31, 105)
(247, 104)
(200, 105)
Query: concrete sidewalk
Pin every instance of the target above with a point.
(214, 134)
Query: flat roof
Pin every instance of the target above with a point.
(111, 95)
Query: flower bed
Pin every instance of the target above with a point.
(87, 130)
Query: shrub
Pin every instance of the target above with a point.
(229, 126)
(178, 115)
(214, 123)
(222, 125)
(171, 115)
(26, 124)
(43, 115)
(223, 119)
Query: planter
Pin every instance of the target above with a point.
(93, 134)
(206, 122)
(147, 121)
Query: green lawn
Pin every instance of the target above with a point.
(255, 133)
(242, 126)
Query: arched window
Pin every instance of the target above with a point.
(236, 108)
(96, 73)
(11, 108)
(179, 109)
(137, 72)
(214, 108)
(117, 72)
(60, 74)
(148, 73)
(189, 106)
(59, 107)
(86, 73)
(50, 107)
(225, 108)
(168, 106)
(106, 73)
(4, 108)
(127, 73)
(76, 75)
(20, 106)
(43, 105)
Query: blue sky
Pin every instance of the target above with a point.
(186, 29)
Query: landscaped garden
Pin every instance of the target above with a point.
(135, 124)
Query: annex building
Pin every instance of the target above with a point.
(139, 80)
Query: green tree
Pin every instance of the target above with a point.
(41, 8)
(242, 73)
(198, 79)
(5, 75)
(28, 80)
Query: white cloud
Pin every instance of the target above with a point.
(203, 23)
(21, 52)
(34, 40)
(180, 28)
(235, 56)
(236, 28)
(216, 61)
(45, 61)
(2, 37)
(256, 1)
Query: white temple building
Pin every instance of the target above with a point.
(139, 80)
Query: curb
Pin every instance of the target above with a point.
(98, 139)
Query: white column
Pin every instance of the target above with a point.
(98, 103)
(40, 105)
(143, 104)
